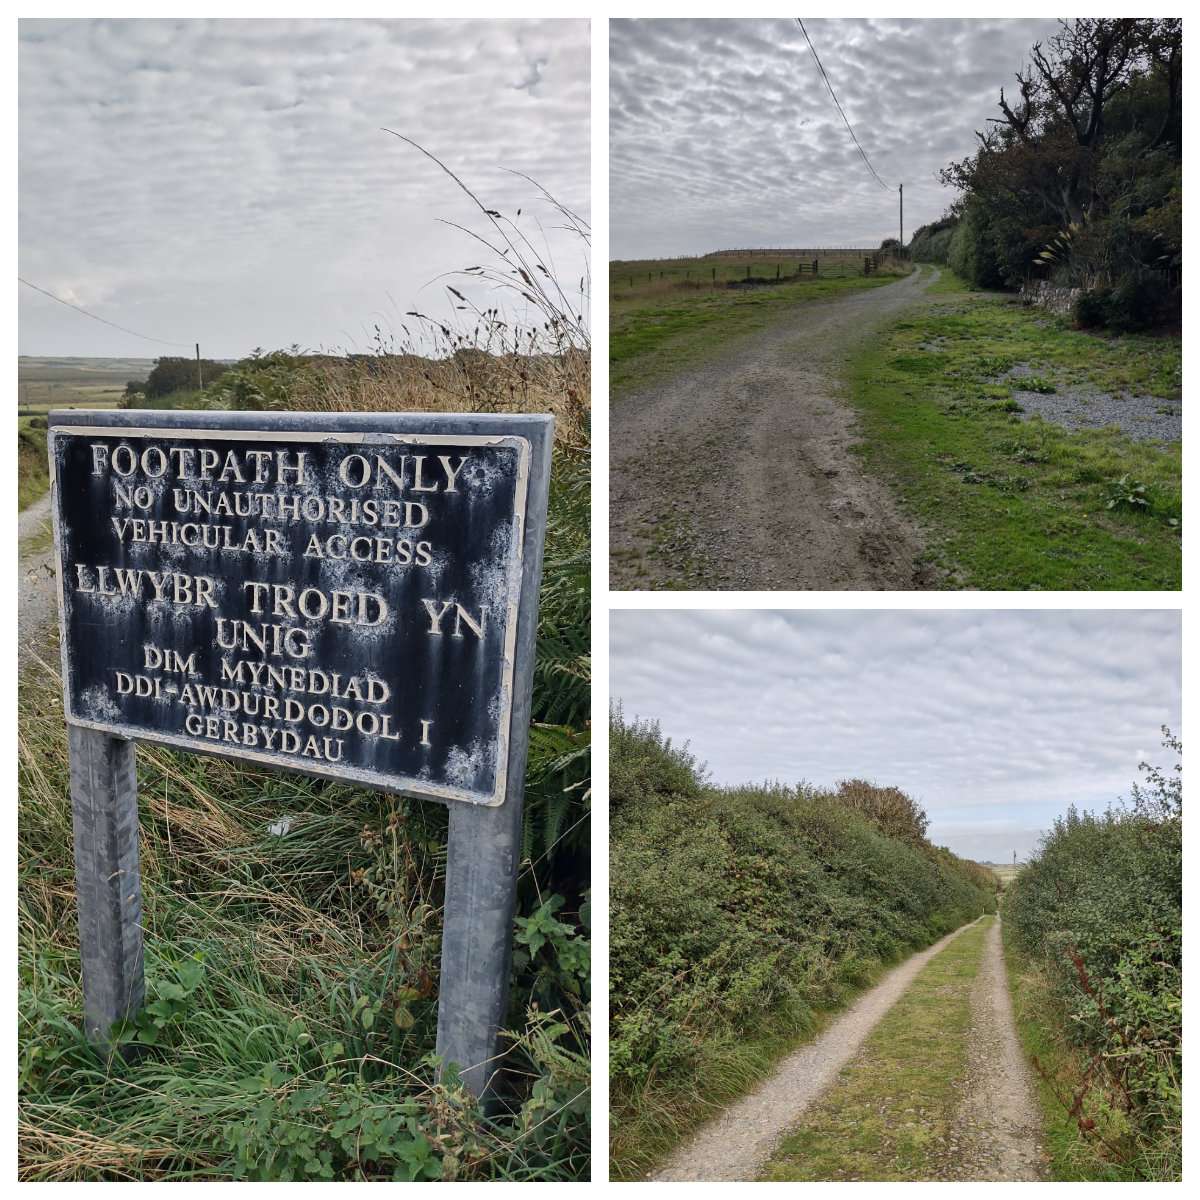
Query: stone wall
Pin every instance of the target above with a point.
(1057, 300)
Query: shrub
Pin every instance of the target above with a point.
(1100, 909)
(1130, 304)
(644, 764)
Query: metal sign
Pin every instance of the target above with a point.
(337, 602)
(347, 595)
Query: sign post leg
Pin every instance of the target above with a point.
(483, 855)
(108, 880)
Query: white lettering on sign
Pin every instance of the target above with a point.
(329, 599)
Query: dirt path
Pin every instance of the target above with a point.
(37, 603)
(735, 1145)
(1001, 1139)
(740, 474)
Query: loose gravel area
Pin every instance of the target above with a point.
(1143, 418)
(736, 1145)
(741, 475)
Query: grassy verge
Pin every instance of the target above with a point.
(893, 1115)
(654, 335)
(1015, 503)
(1059, 1069)
(33, 466)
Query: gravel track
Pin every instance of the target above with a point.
(999, 1113)
(37, 601)
(736, 1144)
(740, 474)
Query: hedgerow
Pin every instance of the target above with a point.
(1099, 910)
(737, 914)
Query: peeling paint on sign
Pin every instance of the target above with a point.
(343, 602)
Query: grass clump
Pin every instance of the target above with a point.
(1096, 927)
(738, 917)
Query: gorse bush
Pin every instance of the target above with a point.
(735, 914)
(1099, 910)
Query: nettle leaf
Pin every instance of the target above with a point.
(190, 975)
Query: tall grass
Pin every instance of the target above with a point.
(528, 350)
(293, 925)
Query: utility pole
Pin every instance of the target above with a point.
(200, 370)
(902, 218)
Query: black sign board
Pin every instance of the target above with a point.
(335, 594)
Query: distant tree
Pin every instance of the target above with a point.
(891, 810)
(931, 243)
(179, 374)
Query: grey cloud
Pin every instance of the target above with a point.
(1007, 716)
(257, 147)
(915, 91)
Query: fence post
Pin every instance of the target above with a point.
(814, 266)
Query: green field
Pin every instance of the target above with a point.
(679, 313)
(46, 383)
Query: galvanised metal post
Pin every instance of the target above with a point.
(108, 880)
(484, 851)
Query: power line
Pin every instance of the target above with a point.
(84, 311)
(829, 85)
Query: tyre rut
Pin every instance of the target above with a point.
(741, 474)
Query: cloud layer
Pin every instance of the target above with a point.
(996, 721)
(723, 133)
(229, 182)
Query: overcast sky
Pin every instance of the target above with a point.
(724, 135)
(228, 182)
(995, 721)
